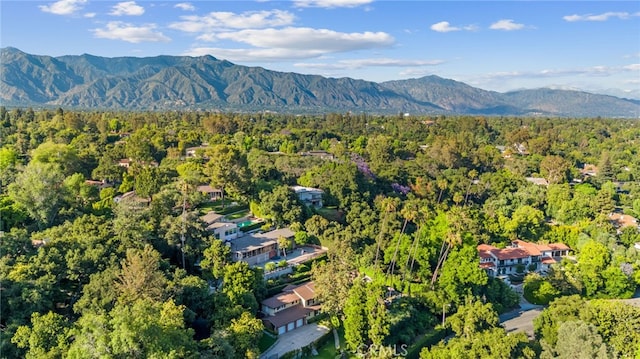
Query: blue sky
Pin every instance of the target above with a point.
(495, 45)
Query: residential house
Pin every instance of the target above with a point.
(589, 170)
(257, 248)
(196, 152)
(621, 221)
(222, 230)
(128, 162)
(537, 181)
(125, 162)
(99, 184)
(318, 153)
(290, 309)
(534, 257)
(211, 193)
(132, 199)
(309, 196)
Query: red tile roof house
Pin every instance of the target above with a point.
(290, 309)
(501, 261)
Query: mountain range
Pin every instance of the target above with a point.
(206, 83)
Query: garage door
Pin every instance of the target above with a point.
(291, 326)
(282, 330)
(299, 323)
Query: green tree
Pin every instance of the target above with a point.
(39, 190)
(526, 223)
(555, 169)
(228, 170)
(147, 182)
(579, 340)
(537, 290)
(215, 258)
(356, 328)
(473, 317)
(281, 206)
(241, 284)
(63, 155)
(140, 276)
(377, 315)
(8, 157)
(461, 276)
(333, 279)
(245, 333)
(141, 329)
(560, 310)
(47, 337)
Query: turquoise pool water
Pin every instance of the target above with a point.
(244, 224)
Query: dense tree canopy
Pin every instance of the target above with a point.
(105, 254)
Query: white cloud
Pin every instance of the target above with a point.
(63, 7)
(506, 25)
(445, 26)
(330, 3)
(356, 64)
(117, 30)
(186, 6)
(253, 55)
(292, 43)
(229, 20)
(90, 15)
(127, 8)
(600, 17)
(600, 71)
(304, 38)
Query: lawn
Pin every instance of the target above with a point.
(237, 215)
(265, 342)
(330, 213)
(328, 350)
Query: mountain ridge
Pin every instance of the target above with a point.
(207, 83)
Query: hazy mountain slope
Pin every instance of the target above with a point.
(181, 82)
(572, 103)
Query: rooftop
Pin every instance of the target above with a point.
(301, 189)
(249, 242)
(288, 315)
(211, 217)
(275, 234)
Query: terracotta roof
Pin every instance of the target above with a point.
(484, 250)
(208, 189)
(623, 220)
(522, 249)
(559, 247)
(548, 260)
(486, 265)
(511, 253)
(288, 315)
(306, 291)
(531, 248)
(543, 247)
(280, 299)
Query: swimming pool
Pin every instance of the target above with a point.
(244, 224)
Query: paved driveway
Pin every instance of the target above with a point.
(521, 319)
(295, 339)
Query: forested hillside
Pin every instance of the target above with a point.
(106, 252)
(204, 83)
